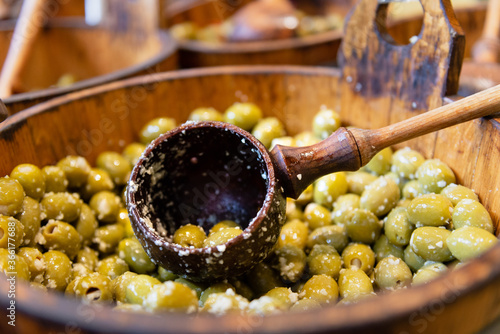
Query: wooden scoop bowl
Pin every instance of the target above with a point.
(3, 111)
(205, 172)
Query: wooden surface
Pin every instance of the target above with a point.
(104, 118)
(94, 55)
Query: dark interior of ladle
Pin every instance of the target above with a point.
(197, 178)
(3, 111)
(202, 175)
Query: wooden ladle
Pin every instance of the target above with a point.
(205, 172)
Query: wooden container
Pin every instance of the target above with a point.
(320, 49)
(94, 55)
(313, 50)
(109, 117)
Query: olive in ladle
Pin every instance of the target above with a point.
(205, 172)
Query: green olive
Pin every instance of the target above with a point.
(214, 288)
(392, 273)
(283, 141)
(380, 164)
(324, 260)
(469, 212)
(321, 288)
(171, 296)
(156, 127)
(98, 180)
(291, 262)
(305, 138)
(405, 162)
(86, 224)
(138, 288)
(358, 256)
(413, 189)
(88, 257)
(222, 225)
(35, 261)
(131, 251)
(294, 232)
(61, 236)
(381, 196)
(190, 236)
(119, 286)
(384, 248)
(76, 169)
(11, 232)
(354, 284)
(343, 205)
(305, 305)
(333, 235)
(133, 152)
(57, 271)
(428, 272)
(328, 188)
(413, 261)
(106, 206)
(363, 226)
(316, 215)
(13, 265)
(243, 115)
(293, 211)
(108, 237)
(306, 197)
(112, 266)
(115, 165)
(124, 220)
(455, 193)
(429, 242)
(358, 181)
(285, 296)
(31, 178)
(221, 237)
(430, 210)
(469, 241)
(55, 179)
(11, 196)
(263, 278)
(227, 302)
(325, 122)
(94, 287)
(205, 114)
(398, 227)
(165, 274)
(30, 218)
(435, 175)
(268, 129)
(61, 206)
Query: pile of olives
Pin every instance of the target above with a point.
(399, 221)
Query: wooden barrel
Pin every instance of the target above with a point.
(93, 55)
(311, 50)
(461, 301)
(318, 49)
(110, 116)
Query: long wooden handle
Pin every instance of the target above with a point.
(487, 49)
(350, 149)
(27, 27)
(3, 111)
